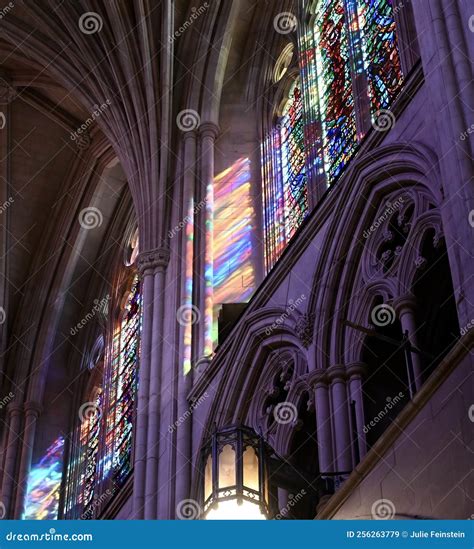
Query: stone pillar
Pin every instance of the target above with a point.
(340, 415)
(15, 413)
(32, 412)
(159, 259)
(146, 270)
(185, 376)
(443, 26)
(355, 373)
(405, 308)
(152, 266)
(323, 423)
(208, 132)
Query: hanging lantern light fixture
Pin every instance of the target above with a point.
(235, 479)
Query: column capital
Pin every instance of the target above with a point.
(209, 129)
(356, 370)
(33, 408)
(153, 260)
(318, 379)
(337, 373)
(188, 134)
(405, 303)
(15, 409)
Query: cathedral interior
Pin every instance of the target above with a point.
(237, 261)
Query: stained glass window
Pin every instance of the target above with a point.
(122, 379)
(295, 193)
(350, 70)
(284, 177)
(89, 441)
(335, 86)
(380, 51)
(101, 456)
(358, 72)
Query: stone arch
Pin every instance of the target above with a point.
(388, 169)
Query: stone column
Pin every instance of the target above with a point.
(447, 66)
(405, 308)
(146, 270)
(323, 423)
(340, 415)
(185, 376)
(208, 132)
(152, 266)
(32, 412)
(15, 413)
(158, 259)
(355, 373)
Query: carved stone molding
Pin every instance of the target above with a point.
(337, 373)
(33, 408)
(406, 303)
(7, 92)
(317, 378)
(15, 409)
(152, 260)
(304, 329)
(209, 129)
(420, 262)
(356, 370)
